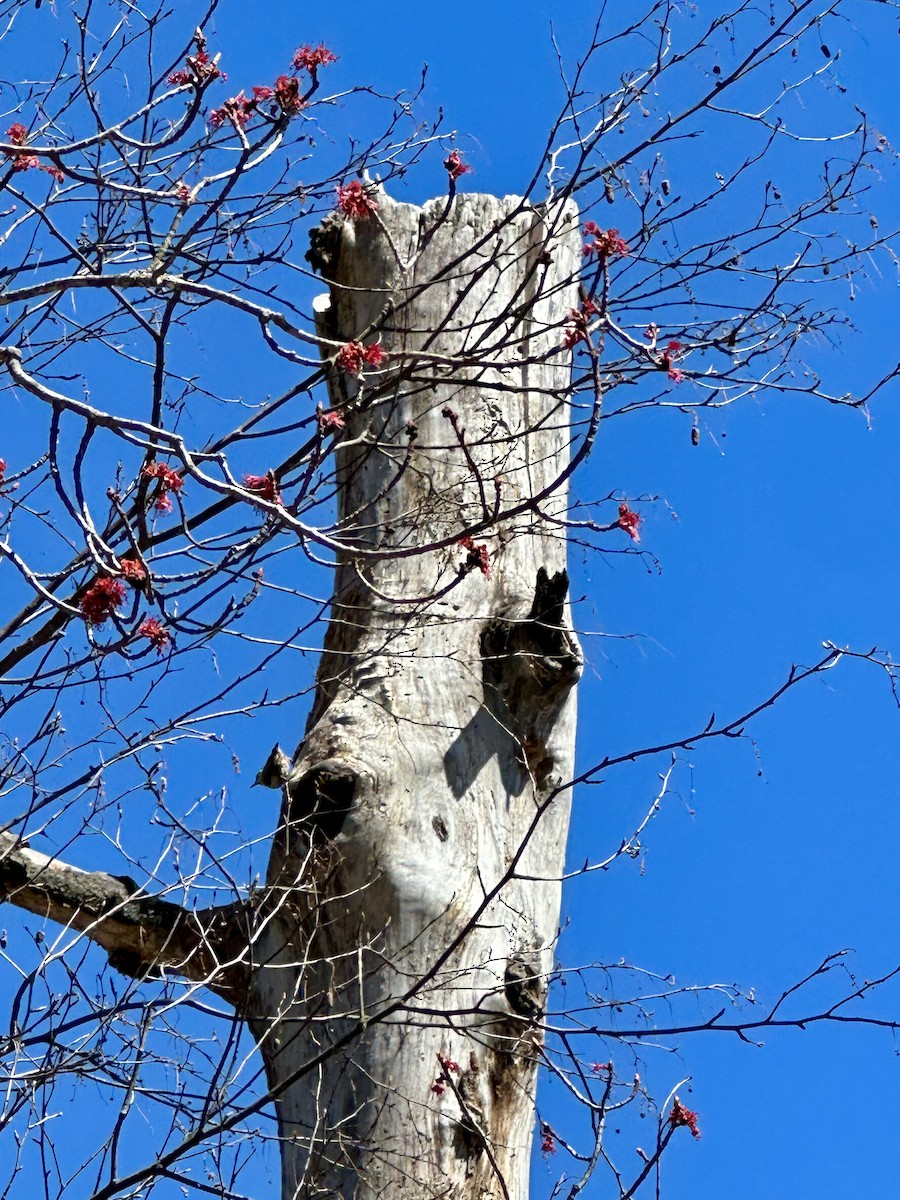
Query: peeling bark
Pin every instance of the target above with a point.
(413, 899)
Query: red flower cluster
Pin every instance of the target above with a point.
(239, 109)
(439, 1087)
(264, 486)
(577, 331)
(199, 69)
(630, 522)
(155, 632)
(606, 242)
(683, 1116)
(287, 93)
(2, 470)
(169, 481)
(18, 135)
(329, 420)
(455, 166)
(354, 356)
(548, 1141)
(355, 201)
(308, 58)
(667, 359)
(133, 571)
(478, 556)
(101, 599)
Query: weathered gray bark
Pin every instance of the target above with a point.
(414, 900)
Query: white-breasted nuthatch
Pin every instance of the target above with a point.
(276, 769)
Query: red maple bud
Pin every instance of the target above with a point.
(355, 201)
(101, 599)
(353, 356)
(329, 421)
(261, 94)
(548, 1142)
(17, 134)
(25, 162)
(438, 1088)
(264, 486)
(2, 470)
(478, 556)
(132, 570)
(577, 331)
(599, 1068)
(198, 68)
(169, 481)
(683, 1116)
(449, 1065)
(183, 193)
(155, 632)
(309, 58)
(630, 522)
(667, 361)
(455, 166)
(287, 93)
(606, 244)
(168, 477)
(238, 110)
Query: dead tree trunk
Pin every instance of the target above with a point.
(404, 951)
(395, 970)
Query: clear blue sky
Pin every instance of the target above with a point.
(777, 531)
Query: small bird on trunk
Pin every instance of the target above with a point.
(276, 769)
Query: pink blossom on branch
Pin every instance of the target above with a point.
(101, 599)
(132, 570)
(354, 356)
(577, 331)
(169, 481)
(630, 522)
(198, 69)
(155, 632)
(478, 556)
(239, 109)
(355, 201)
(287, 93)
(607, 243)
(309, 58)
(264, 486)
(667, 361)
(455, 166)
(684, 1116)
(20, 161)
(329, 421)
